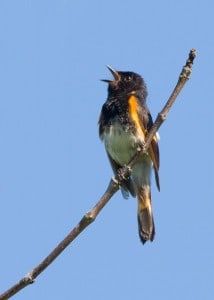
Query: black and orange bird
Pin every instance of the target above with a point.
(123, 125)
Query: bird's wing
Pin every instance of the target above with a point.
(154, 152)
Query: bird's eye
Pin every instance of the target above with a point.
(128, 78)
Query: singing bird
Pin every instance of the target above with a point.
(123, 126)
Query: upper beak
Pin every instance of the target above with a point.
(114, 73)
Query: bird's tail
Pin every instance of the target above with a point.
(145, 217)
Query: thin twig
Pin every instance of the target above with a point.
(114, 184)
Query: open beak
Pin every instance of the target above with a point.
(114, 73)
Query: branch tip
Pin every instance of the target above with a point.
(192, 55)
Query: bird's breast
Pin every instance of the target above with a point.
(121, 143)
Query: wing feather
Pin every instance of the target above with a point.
(146, 124)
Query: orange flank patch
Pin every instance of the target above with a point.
(133, 110)
(153, 148)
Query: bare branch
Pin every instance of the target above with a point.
(113, 187)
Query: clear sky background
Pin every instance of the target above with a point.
(53, 167)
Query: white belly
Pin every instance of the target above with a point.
(121, 145)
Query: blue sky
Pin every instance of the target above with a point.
(53, 167)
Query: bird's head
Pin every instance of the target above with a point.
(125, 83)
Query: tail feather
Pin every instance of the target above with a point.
(145, 217)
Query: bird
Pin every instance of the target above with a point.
(124, 123)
